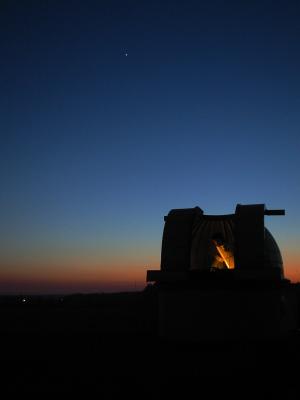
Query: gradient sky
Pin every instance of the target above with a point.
(115, 112)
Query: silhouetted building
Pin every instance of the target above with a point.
(222, 277)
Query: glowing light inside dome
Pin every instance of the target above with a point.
(226, 255)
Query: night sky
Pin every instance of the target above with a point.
(115, 112)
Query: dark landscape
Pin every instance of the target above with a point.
(107, 344)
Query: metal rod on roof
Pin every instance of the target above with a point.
(274, 212)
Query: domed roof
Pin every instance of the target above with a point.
(272, 255)
(194, 241)
(207, 255)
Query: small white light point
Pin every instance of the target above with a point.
(23, 300)
(126, 54)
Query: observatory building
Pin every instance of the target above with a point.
(222, 277)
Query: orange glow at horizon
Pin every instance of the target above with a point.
(79, 277)
(74, 283)
(95, 277)
(292, 269)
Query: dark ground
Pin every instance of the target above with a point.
(106, 345)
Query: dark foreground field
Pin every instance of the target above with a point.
(107, 346)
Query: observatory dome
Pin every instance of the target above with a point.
(272, 255)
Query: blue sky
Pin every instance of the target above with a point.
(115, 112)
